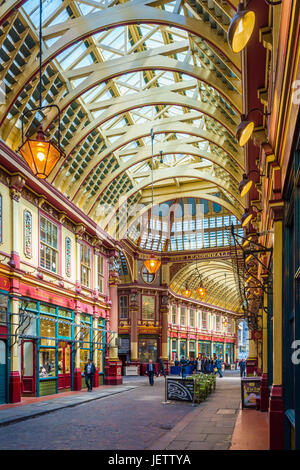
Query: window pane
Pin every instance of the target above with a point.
(148, 307)
(64, 329)
(47, 363)
(84, 356)
(47, 329)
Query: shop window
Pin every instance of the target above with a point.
(68, 256)
(199, 319)
(31, 306)
(123, 307)
(48, 245)
(148, 349)
(64, 329)
(47, 331)
(47, 309)
(3, 309)
(148, 307)
(100, 363)
(218, 323)
(85, 355)
(85, 268)
(63, 312)
(174, 314)
(47, 363)
(100, 273)
(192, 349)
(204, 320)
(192, 318)
(85, 336)
(27, 234)
(182, 316)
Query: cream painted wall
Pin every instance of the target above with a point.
(6, 244)
(66, 233)
(33, 260)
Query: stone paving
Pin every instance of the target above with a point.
(211, 425)
(135, 419)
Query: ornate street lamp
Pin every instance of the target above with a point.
(40, 154)
(152, 264)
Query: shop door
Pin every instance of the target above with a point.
(64, 365)
(2, 372)
(28, 367)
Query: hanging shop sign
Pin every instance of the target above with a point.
(180, 389)
(250, 391)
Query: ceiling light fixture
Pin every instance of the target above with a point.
(40, 154)
(152, 264)
(242, 26)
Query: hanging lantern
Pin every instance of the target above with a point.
(152, 264)
(186, 292)
(40, 154)
(225, 323)
(201, 292)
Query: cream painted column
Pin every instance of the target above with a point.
(77, 371)
(164, 311)
(133, 308)
(16, 185)
(80, 229)
(277, 304)
(14, 349)
(276, 403)
(15, 376)
(264, 394)
(96, 340)
(114, 312)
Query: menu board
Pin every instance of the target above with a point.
(180, 389)
(250, 391)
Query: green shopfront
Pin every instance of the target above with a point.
(48, 344)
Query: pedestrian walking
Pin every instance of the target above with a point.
(150, 371)
(199, 365)
(242, 365)
(89, 372)
(161, 367)
(218, 366)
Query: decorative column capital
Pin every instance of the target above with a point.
(277, 210)
(79, 231)
(16, 184)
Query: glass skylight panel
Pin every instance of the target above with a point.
(226, 220)
(220, 238)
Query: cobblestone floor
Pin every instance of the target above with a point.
(135, 419)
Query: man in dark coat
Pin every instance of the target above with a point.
(150, 371)
(89, 372)
(161, 367)
(242, 365)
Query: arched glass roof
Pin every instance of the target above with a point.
(117, 69)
